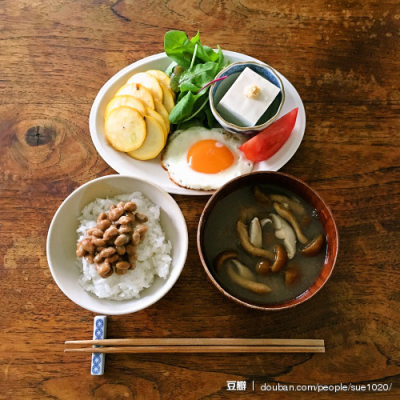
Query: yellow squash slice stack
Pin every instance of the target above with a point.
(137, 118)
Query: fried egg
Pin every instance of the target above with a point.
(202, 159)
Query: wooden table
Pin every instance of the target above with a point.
(343, 59)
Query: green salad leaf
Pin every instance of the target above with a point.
(179, 48)
(193, 79)
(204, 53)
(183, 108)
(187, 107)
(193, 66)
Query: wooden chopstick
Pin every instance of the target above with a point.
(198, 345)
(199, 342)
(200, 349)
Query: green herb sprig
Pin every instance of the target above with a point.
(193, 67)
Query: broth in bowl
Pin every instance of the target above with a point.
(264, 244)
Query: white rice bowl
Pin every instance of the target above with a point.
(153, 254)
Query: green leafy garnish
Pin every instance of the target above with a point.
(193, 79)
(184, 108)
(193, 67)
(179, 48)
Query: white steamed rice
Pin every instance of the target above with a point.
(153, 254)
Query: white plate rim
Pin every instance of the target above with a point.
(277, 161)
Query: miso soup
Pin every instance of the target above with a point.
(252, 272)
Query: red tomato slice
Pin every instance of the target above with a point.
(270, 140)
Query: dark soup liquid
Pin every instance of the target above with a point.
(241, 261)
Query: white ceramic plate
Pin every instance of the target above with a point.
(151, 170)
(62, 237)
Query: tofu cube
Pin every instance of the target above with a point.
(248, 98)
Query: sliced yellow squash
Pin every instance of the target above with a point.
(161, 76)
(154, 142)
(168, 101)
(159, 119)
(128, 101)
(149, 82)
(164, 113)
(139, 91)
(125, 129)
(163, 79)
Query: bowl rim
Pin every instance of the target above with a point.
(233, 126)
(183, 238)
(267, 307)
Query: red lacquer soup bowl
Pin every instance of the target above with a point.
(300, 189)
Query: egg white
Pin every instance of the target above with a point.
(174, 158)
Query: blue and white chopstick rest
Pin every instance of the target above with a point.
(99, 332)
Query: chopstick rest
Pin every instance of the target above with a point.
(99, 332)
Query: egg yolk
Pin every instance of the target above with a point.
(209, 157)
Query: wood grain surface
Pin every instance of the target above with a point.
(343, 58)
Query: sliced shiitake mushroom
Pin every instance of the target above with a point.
(295, 205)
(222, 257)
(248, 213)
(265, 221)
(244, 271)
(287, 214)
(245, 242)
(255, 233)
(285, 232)
(255, 287)
(260, 196)
(314, 247)
(280, 258)
(243, 277)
